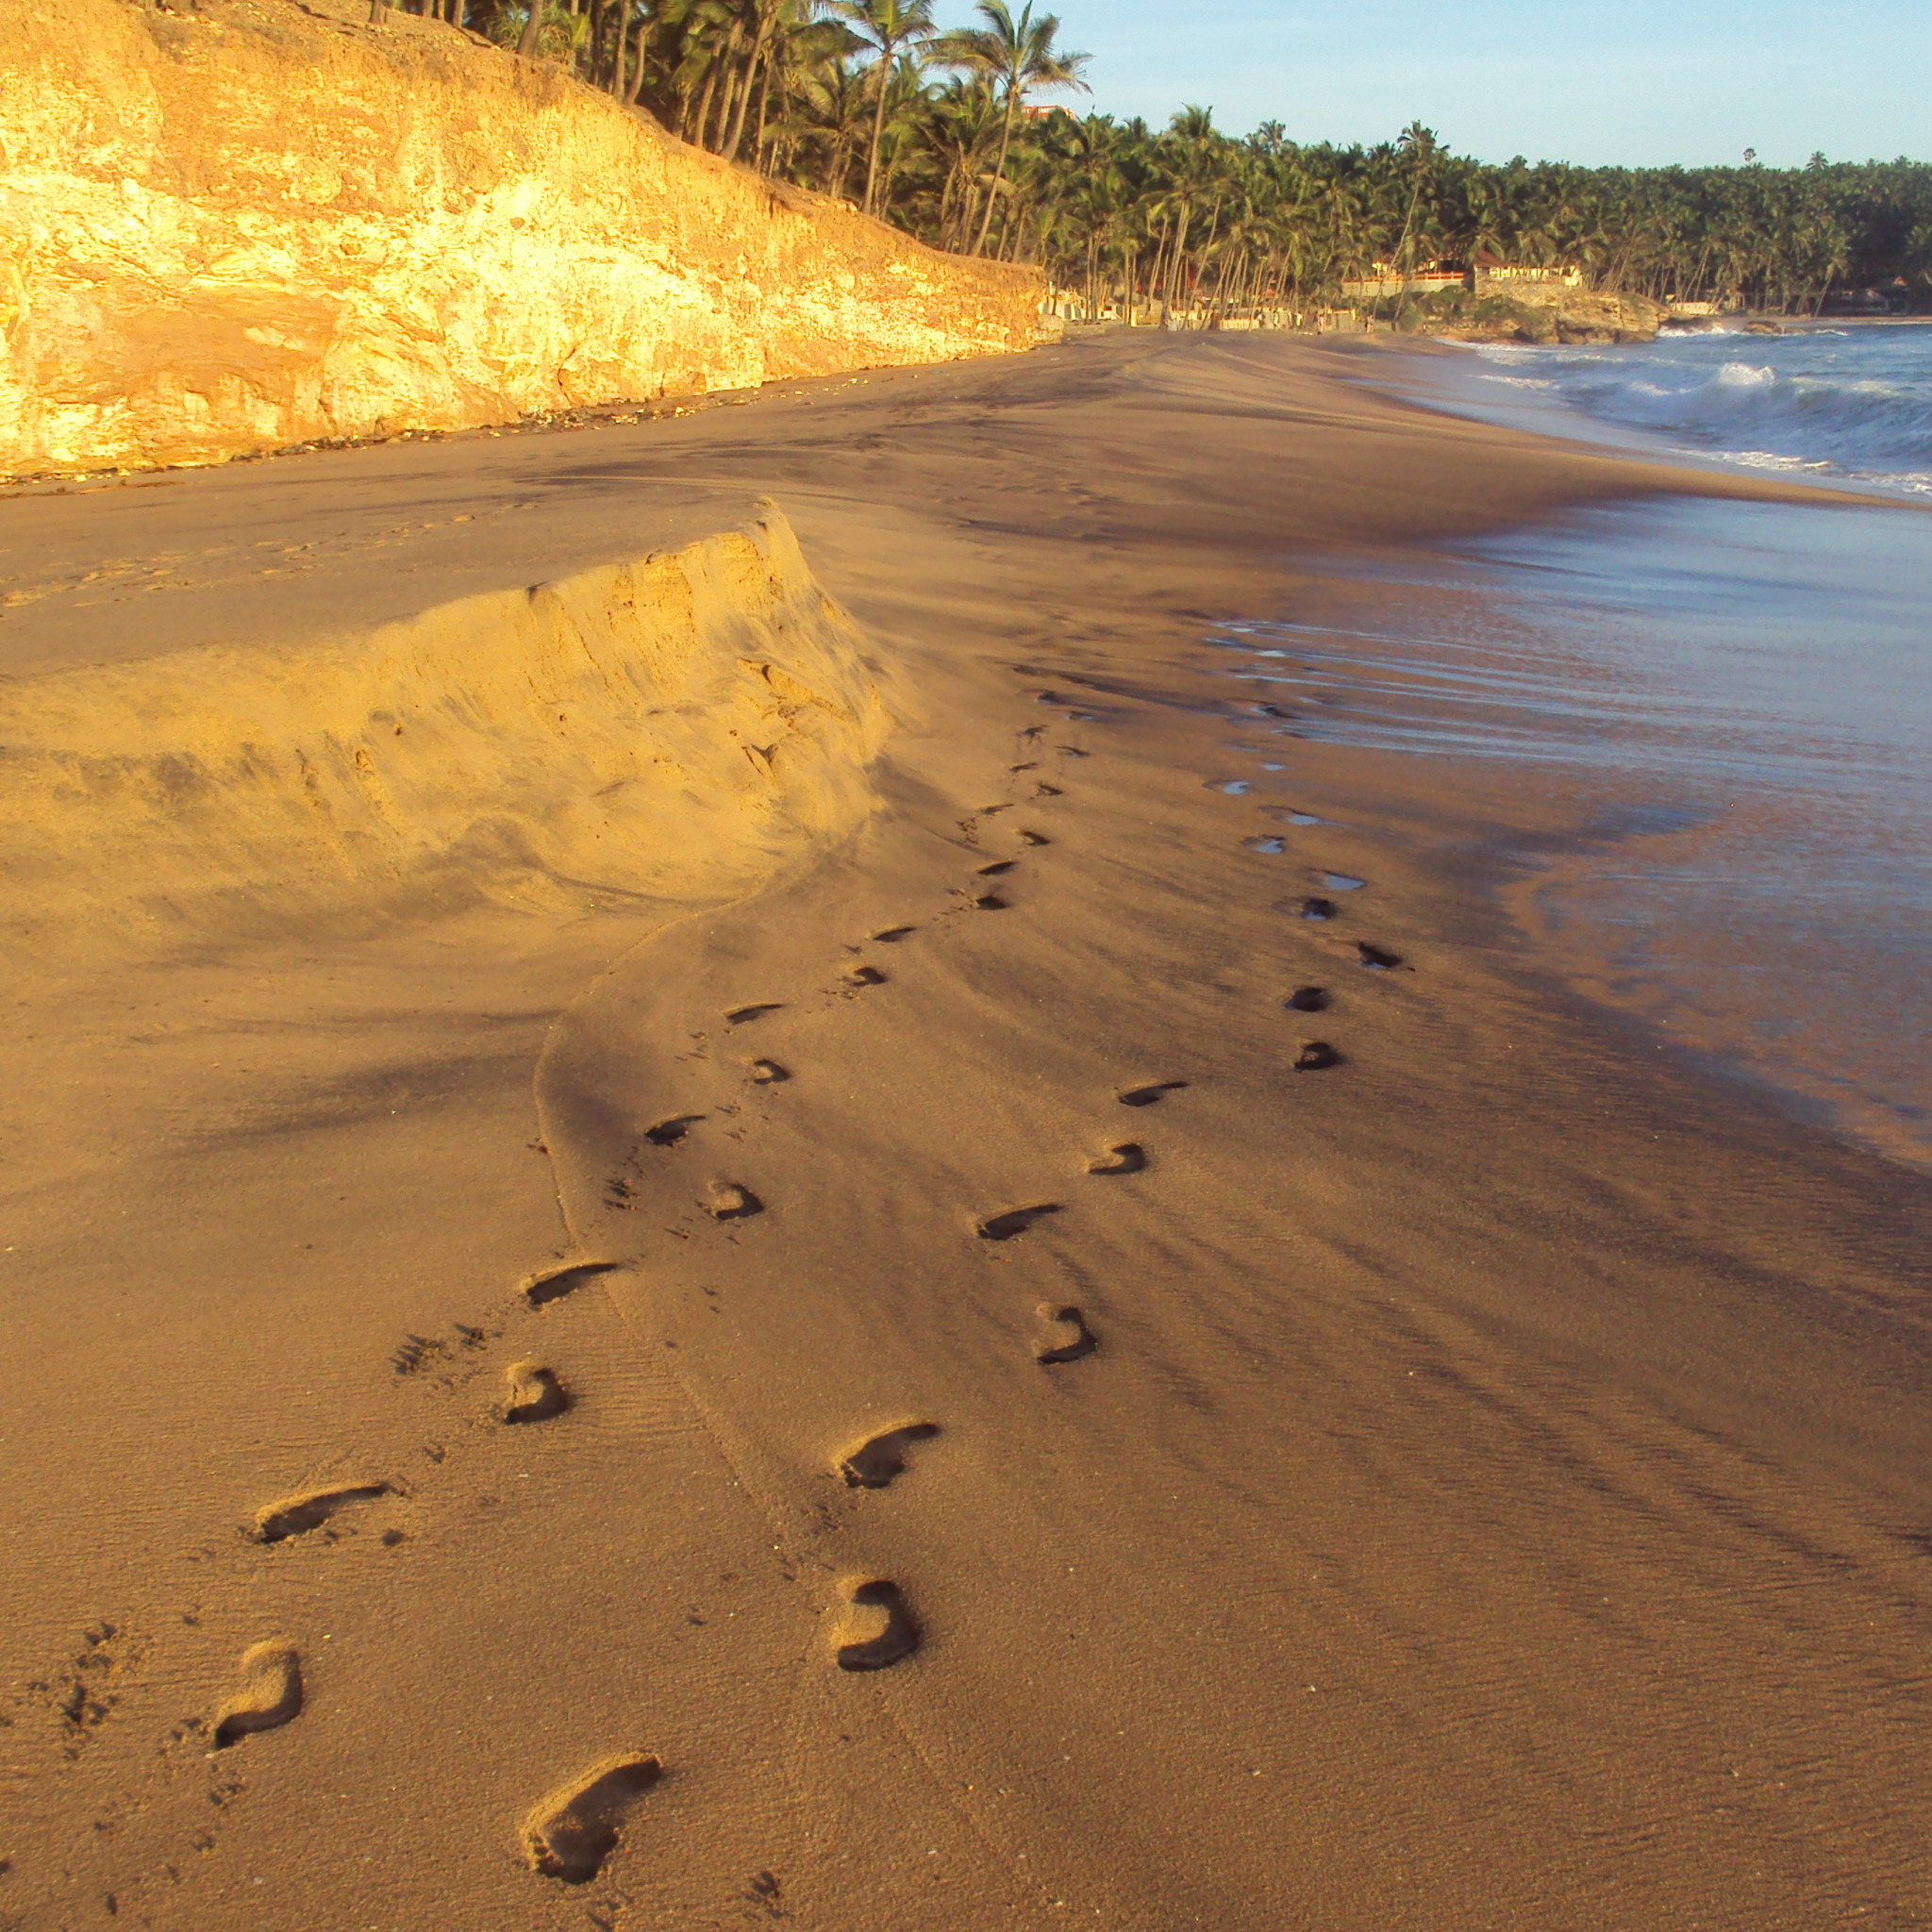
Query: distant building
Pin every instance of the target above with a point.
(1488, 269)
(1383, 278)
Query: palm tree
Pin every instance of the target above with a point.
(888, 26)
(814, 98)
(1015, 57)
(1419, 145)
(533, 31)
(1188, 216)
(964, 124)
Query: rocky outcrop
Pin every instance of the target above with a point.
(259, 223)
(1548, 313)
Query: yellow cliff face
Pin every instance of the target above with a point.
(254, 224)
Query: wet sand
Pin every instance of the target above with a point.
(1016, 1448)
(1756, 882)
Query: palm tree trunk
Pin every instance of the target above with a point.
(736, 134)
(716, 143)
(639, 51)
(533, 27)
(757, 138)
(999, 171)
(878, 124)
(704, 115)
(760, 51)
(1176, 262)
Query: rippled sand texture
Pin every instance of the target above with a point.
(812, 1293)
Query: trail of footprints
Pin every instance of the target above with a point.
(573, 1831)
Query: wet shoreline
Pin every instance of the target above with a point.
(1730, 692)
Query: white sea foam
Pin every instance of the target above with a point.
(1853, 403)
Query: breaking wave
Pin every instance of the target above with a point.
(1852, 402)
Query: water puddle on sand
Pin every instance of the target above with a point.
(1747, 683)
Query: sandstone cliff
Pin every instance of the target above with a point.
(261, 223)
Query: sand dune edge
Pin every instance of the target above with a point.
(671, 725)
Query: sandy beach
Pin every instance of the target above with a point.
(674, 1256)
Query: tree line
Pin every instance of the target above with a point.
(967, 140)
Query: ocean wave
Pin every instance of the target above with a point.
(1851, 402)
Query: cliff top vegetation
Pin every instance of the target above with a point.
(967, 140)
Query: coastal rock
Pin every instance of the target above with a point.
(242, 227)
(1550, 313)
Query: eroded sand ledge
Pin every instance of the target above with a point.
(673, 724)
(1478, 1481)
(243, 225)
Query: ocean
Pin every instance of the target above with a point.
(1847, 404)
(1746, 686)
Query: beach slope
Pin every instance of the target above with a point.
(779, 1280)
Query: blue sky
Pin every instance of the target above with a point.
(1636, 81)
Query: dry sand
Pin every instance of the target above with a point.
(1484, 1483)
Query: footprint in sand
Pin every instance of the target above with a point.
(1146, 1096)
(1060, 1334)
(309, 1509)
(669, 1133)
(1015, 1221)
(738, 1016)
(570, 1833)
(990, 901)
(876, 1461)
(873, 1628)
(552, 1284)
(269, 1694)
(1308, 999)
(1377, 958)
(865, 976)
(534, 1396)
(730, 1202)
(1315, 908)
(769, 1073)
(1046, 791)
(891, 935)
(1035, 838)
(1315, 1054)
(1128, 1157)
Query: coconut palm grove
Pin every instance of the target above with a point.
(971, 141)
